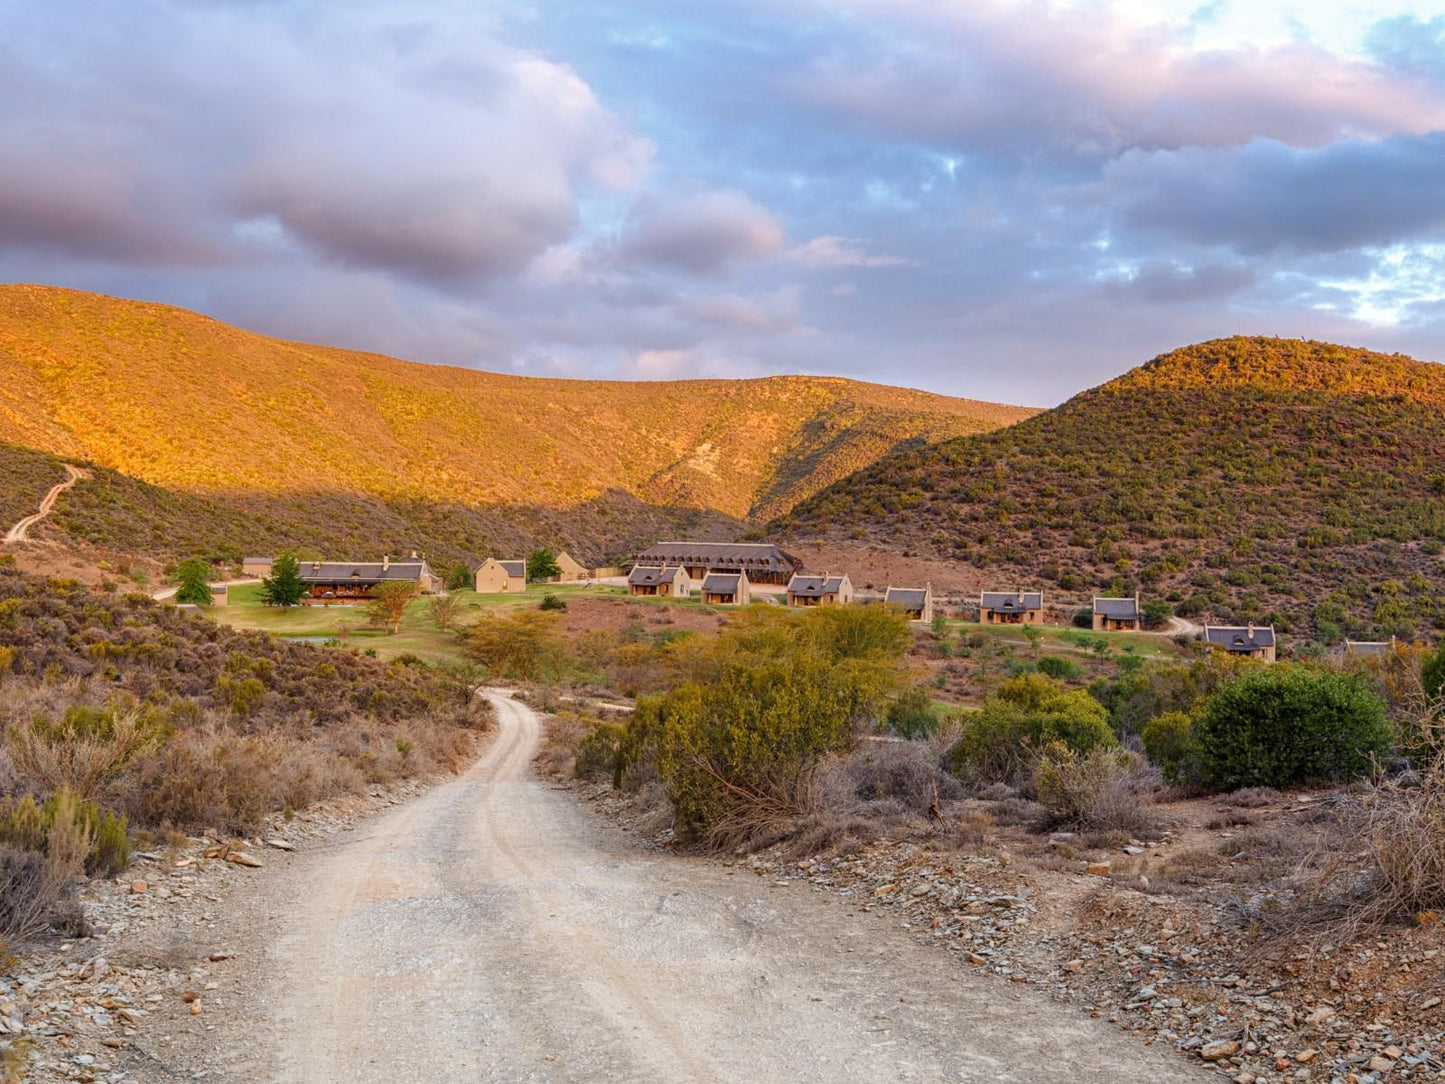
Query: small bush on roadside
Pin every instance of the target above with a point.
(1283, 724)
(905, 773)
(738, 744)
(598, 749)
(27, 825)
(34, 882)
(23, 906)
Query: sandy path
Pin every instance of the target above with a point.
(492, 931)
(21, 531)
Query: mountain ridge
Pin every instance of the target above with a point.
(178, 400)
(1240, 478)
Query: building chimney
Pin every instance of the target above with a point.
(315, 566)
(1251, 630)
(385, 561)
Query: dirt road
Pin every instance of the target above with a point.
(492, 931)
(21, 531)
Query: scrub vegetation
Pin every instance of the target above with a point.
(1243, 479)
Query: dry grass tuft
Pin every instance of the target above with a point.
(1405, 829)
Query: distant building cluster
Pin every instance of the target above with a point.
(726, 573)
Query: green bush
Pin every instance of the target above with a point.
(750, 735)
(1155, 612)
(1056, 666)
(1000, 742)
(1432, 674)
(26, 825)
(552, 602)
(1284, 724)
(1170, 742)
(912, 714)
(1083, 619)
(597, 752)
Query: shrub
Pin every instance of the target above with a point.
(1155, 612)
(27, 825)
(1083, 619)
(552, 602)
(1101, 789)
(1000, 742)
(524, 645)
(736, 744)
(34, 881)
(82, 752)
(597, 752)
(243, 694)
(1170, 742)
(1406, 834)
(23, 902)
(748, 740)
(907, 774)
(1286, 724)
(912, 714)
(194, 575)
(1056, 666)
(1432, 674)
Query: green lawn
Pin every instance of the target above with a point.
(1057, 639)
(418, 636)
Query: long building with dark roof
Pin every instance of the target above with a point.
(762, 561)
(352, 581)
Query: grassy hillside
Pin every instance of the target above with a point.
(181, 401)
(1241, 478)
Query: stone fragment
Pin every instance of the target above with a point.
(1220, 1048)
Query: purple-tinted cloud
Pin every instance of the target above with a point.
(703, 233)
(1269, 197)
(1065, 83)
(998, 199)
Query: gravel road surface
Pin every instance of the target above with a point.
(493, 930)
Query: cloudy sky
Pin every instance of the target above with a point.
(1005, 199)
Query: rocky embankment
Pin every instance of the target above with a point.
(1165, 969)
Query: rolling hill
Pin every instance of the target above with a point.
(233, 438)
(1243, 478)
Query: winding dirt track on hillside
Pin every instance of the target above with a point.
(493, 931)
(21, 531)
